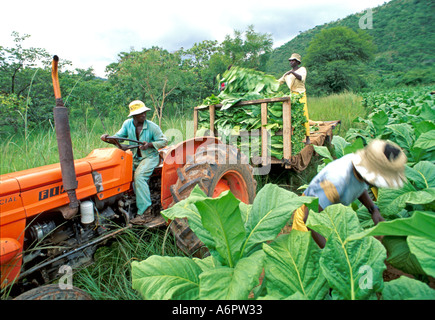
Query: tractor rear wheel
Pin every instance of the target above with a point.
(215, 168)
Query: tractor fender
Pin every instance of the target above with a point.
(9, 248)
(175, 158)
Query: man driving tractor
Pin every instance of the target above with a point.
(146, 157)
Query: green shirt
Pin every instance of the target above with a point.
(151, 132)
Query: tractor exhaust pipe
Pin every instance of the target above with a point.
(63, 136)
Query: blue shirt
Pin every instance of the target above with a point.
(336, 183)
(151, 132)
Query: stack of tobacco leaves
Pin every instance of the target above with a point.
(231, 122)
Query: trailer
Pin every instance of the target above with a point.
(298, 162)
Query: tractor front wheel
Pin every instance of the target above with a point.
(215, 168)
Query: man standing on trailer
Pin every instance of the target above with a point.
(295, 80)
(146, 157)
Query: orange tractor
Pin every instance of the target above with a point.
(56, 215)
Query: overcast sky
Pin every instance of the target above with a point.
(91, 33)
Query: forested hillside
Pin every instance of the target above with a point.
(403, 32)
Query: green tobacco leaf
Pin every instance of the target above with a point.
(292, 266)
(422, 174)
(424, 250)
(224, 283)
(166, 278)
(426, 140)
(186, 209)
(421, 224)
(207, 263)
(245, 210)
(339, 145)
(403, 135)
(353, 269)
(406, 288)
(422, 127)
(379, 121)
(323, 151)
(400, 256)
(221, 217)
(271, 210)
(427, 113)
(356, 145)
(392, 201)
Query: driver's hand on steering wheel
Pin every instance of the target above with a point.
(104, 138)
(146, 145)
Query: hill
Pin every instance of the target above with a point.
(403, 32)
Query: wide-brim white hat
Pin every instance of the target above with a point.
(381, 164)
(137, 107)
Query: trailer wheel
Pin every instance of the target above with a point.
(54, 292)
(215, 168)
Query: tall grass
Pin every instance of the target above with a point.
(114, 282)
(344, 106)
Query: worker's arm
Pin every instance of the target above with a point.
(158, 140)
(373, 209)
(300, 73)
(297, 75)
(317, 237)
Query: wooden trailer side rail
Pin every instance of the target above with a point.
(287, 145)
(297, 162)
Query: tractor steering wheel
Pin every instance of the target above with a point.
(116, 140)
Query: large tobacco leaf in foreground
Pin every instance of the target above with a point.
(405, 288)
(293, 269)
(418, 192)
(233, 232)
(225, 283)
(419, 231)
(353, 269)
(166, 278)
(260, 222)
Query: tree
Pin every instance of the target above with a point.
(247, 52)
(87, 96)
(15, 64)
(12, 112)
(205, 60)
(335, 60)
(151, 75)
(22, 84)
